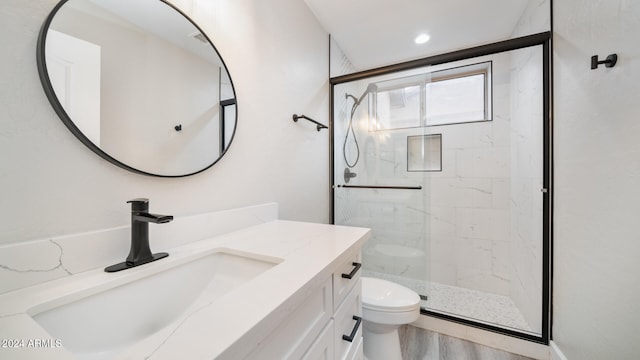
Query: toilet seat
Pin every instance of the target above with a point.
(384, 296)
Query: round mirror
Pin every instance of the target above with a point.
(139, 83)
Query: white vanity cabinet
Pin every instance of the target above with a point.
(342, 337)
(297, 333)
(327, 325)
(347, 309)
(324, 347)
(273, 291)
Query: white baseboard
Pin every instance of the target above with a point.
(556, 353)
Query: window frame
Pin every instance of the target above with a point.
(423, 79)
(484, 68)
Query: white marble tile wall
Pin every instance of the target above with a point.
(28, 263)
(469, 201)
(460, 220)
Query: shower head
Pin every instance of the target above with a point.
(371, 88)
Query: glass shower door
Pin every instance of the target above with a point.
(381, 155)
(446, 164)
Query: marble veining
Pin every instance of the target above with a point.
(176, 328)
(28, 263)
(59, 265)
(421, 344)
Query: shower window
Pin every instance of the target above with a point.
(450, 96)
(397, 103)
(459, 95)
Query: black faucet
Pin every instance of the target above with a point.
(140, 252)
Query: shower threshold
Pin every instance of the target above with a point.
(478, 306)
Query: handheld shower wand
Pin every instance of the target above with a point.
(371, 88)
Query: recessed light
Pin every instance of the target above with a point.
(421, 39)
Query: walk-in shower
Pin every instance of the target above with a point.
(446, 160)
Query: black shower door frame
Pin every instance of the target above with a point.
(541, 39)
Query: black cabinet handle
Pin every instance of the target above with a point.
(356, 267)
(349, 338)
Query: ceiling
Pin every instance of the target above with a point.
(374, 33)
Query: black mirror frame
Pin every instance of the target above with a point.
(68, 122)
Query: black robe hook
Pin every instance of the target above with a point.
(609, 62)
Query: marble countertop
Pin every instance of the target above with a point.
(228, 327)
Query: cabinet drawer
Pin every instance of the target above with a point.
(358, 353)
(345, 278)
(348, 323)
(299, 330)
(322, 348)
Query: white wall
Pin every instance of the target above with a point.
(277, 56)
(596, 284)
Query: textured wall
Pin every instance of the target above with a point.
(277, 56)
(597, 170)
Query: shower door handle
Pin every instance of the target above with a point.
(356, 267)
(380, 187)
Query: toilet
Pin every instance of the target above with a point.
(386, 306)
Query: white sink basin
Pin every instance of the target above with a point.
(99, 325)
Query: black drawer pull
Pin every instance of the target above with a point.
(356, 267)
(349, 338)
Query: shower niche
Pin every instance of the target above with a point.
(424, 152)
(452, 177)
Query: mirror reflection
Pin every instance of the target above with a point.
(139, 83)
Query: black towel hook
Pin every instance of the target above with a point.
(609, 62)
